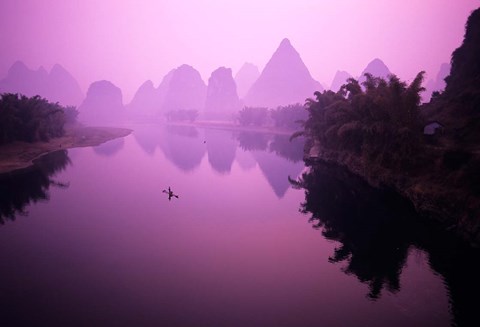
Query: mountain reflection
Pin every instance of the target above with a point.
(376, 229)
(185, 146)
(277, 156)
(20, 189)
(182, 146)
(109, 148)
(221, 149)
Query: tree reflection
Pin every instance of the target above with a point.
(17, 190)
(291, 149)
(372, 227)
(251, 141)
(375, 230)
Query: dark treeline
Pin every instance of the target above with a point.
(32, 119)
(380, 122)
(377, 129)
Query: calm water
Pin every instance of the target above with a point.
(89, 239)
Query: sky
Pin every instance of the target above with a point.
(130, 41)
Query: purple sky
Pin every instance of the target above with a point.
(130, 41)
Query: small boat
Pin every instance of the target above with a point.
(170, 193)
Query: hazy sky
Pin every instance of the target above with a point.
(130, 41)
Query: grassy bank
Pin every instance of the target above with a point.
(20, 155)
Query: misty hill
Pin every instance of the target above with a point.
(103, 104)
(56, 86)
(339, 79)
(376, 68)
(222, 99)
(245, 77)
(437, 84)
(186, 90)
(284, 80)
(148, 100)
(145, 101)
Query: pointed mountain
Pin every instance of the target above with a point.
(284, 80)
(222, 99)
(245, 77)
(376, 68)
(186, 90)
(145, 101)
(63, 88)
(103, 104)
(148, 100)
(339, 79)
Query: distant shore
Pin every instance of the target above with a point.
(20, 155)
(227, 125)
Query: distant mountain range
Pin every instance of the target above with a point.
(57, 86)
(284, 80)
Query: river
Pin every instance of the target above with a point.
(89, 238)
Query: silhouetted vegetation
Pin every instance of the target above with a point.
(19, 190)
(376, 130)
(380, 122)
(376, 230)
(32, 119)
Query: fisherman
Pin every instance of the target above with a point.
(170, 193)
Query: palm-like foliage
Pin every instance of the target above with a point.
(381, 117)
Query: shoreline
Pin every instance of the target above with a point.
(226, 125)
(450, 206)
(18, 155)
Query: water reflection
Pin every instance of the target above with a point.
(375, 231)
(185, 146)
(20, 189)
(110, 148)
(221, 149)
(251, 141)
(182, 145)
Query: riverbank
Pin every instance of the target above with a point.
(443, 196)
(20, 155)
